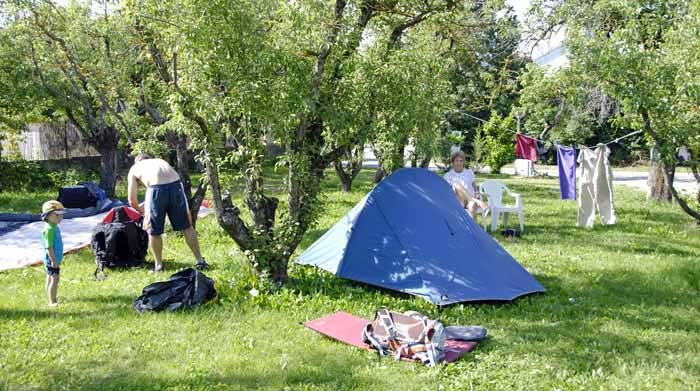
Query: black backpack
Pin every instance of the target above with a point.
(76, 197)
(120, 240)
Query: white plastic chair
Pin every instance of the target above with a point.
(493, 190)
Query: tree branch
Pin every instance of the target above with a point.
(669, 182)
(550, 125)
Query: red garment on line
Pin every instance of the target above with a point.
(525, 147)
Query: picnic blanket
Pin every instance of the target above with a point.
(23, 246)
(347, 328)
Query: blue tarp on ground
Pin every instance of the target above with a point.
(12, 221)
(410, 234)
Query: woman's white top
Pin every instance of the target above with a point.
(465, 179)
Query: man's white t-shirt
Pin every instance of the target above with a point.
(464, 179)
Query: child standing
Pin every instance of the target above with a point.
(52, 214)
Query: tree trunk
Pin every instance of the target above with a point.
(696, 174)
(108, 168)
(345, 179)
(378, 175)
(195, 202)
(425, 163)
(182, 164)
(658, 189)
(348, 174)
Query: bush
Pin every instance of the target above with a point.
(71, 177)
(499, 141)
(23, 175)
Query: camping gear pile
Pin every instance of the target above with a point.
(183, 289)
(119, 240)
(410, 335)
(449, 344)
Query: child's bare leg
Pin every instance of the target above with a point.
(52, 289)
(48, 288)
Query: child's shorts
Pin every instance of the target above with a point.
(52, 271)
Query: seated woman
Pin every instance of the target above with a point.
(463, 183)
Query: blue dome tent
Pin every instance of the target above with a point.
(410, 234)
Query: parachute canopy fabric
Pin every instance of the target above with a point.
(410, 234)
(185, 288)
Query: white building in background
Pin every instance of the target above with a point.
(550, 52)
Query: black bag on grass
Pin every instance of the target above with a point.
(76, 197)
(120, 240)
(185, 288)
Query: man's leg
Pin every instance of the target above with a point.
(156, 243)
(181, 220)
(193, 243)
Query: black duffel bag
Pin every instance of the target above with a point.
(76, 197)
(185, 288)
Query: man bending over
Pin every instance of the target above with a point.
(164, 195)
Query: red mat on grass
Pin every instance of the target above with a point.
(347, 328)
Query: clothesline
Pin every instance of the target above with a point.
(615, 140)
(623, 137)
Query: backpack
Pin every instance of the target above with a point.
(119, 240)
(76, 197)
(410, 335)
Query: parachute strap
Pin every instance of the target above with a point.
(388, 322)
(369, 338)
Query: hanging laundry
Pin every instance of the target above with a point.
(595, 187)
(566, 163)
(525, 147)
(542, 149)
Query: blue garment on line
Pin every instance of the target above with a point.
(566, 163)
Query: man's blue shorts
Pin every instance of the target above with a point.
(167, 199)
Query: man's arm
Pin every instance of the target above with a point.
(133, 188)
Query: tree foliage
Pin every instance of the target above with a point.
(644, 56)
(234, 74)
(72, 63)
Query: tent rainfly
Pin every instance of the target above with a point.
(410, 234)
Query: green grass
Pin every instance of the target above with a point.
(634, 322)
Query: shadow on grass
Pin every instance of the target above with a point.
(321, 371)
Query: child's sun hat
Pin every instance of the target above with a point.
(51, 207)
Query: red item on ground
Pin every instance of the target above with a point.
(525, 147)
(347, 328)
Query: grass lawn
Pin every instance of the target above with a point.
(633, 323)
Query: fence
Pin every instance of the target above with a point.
(46, 141)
